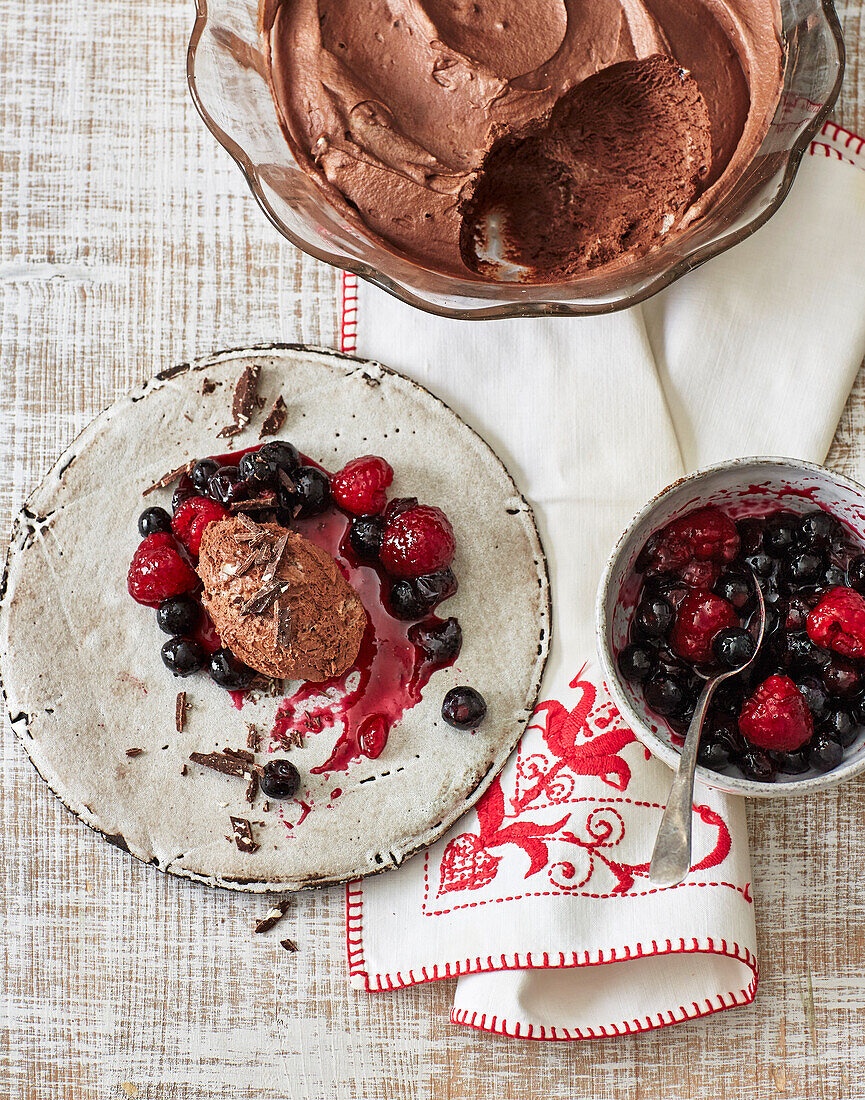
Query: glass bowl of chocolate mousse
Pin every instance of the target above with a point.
(509, 158)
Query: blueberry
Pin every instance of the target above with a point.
(654, 616)
(791, 763)
(841, 677)
(737, 590)
(227, 671)
(435, 588)
(755, 764)
(464, 708)
(802, 567)
(801, 655)
(816, 698)
(820, 529)
(666, 695)
(279, 779)
(728, 697)
(310, 495)
(183, 492)
(856, 573)
(762, 564)
(364, 535)
(824, 754)
(225, 485)
(179, 615)
(441, 642)
(733, 647)
(841, 727)
(152, 520)
(183, 656)
(405, 601)
(713, 753)
(280, 455)
(797, 614)
(834, 577)
(751, 534)
(202, 472)
(636, 662)
(781, 533)
(254, 469)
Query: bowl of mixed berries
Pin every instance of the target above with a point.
(678, 604)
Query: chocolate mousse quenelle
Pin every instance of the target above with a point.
(555, 136)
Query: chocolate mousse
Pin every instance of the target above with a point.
(434, 124)
(278, 602)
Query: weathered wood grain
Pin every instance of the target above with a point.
(128, 241)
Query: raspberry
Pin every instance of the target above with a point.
(699, 617)
(417, 541)
(701, 574)
(359, 487)
(705, 534)
(190, 519)
(838, 622)
(776, 716)
(157, 571)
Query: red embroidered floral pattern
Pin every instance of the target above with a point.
(586, 740)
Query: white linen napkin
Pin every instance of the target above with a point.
(539, 898)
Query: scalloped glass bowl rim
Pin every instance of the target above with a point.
(514, 309)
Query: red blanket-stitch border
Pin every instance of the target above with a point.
(354, 890)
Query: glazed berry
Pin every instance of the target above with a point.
(841, 677)
(791, 763)
(801, 655)
(838, 622)
(819, 529)
(464, 708)
(781, 533)
(666, 695)
(310, 495)
(802, 567)
(737, 590)
(229, 672)
(255, 470)
(776, 716)
(364, 535)
(435, 588)
(359, 487)
(280, 455)
(700, 616)
(183, 656)
(191, 518)
(405, 601)
(279, 779)
(654, 616)
(157, 571)
(841, 726)
(440, 642)
(636, 662)
(417, 541)
(750, 532)
(755, 764)
(713, 753)
(202, 472)
(856, 573)
(705, 534)
(153, 520)
(763, 564)
(183, 492)
(825, 754)
(798, 609)
(226, 485)
(179, 615)
(833, 577)
(397, 506)
(700, 574)
(816, 698)
(733, 647)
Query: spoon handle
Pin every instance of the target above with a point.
(671, 859)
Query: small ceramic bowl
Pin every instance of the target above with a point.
(740, 488)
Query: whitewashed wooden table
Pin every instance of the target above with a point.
(128, 241)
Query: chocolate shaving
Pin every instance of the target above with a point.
(272, 919)
(262, 600)
(253, 737)
(287, 480)
(257, 503)
(180, 711)
(252, 788)
(269, 575)
(243, 837)
(283, 625)
(219, 762)
(252, 526)
(134, 752)
(246, 564)
(293, 739)
(313, 722)
(274, 419)
(209, 385)
(245, 394)
(229, 430)
(240, 754)
(289, 945)
(167, 479)
(184, 770)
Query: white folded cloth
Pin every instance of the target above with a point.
(539, 898)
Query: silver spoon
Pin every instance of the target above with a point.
(671, 859)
